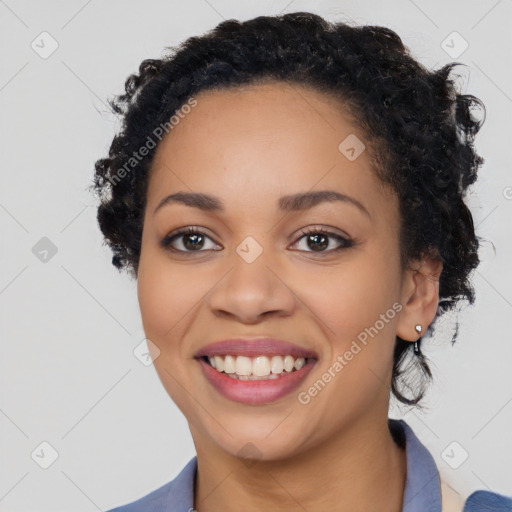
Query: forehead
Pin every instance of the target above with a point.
(266, 107)
(261, 141)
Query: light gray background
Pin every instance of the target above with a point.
(69, 326)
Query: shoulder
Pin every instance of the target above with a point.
(487, 501)
(150, 502)
(439, 491)
(176, 495)
(478, 501)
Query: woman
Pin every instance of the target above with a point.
(288, 194)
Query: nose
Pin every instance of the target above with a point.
(251, 290)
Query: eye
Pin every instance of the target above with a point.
(190, 239)
(319, 239)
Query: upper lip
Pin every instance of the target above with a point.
(253, 347)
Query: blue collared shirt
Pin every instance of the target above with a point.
(422, 486)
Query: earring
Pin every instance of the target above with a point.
(418, 328)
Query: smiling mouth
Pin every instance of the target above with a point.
(256, 368)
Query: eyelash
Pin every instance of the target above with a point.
(345, 242)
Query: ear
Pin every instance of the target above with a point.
(420, 297)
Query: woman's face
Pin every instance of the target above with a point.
(252, 272)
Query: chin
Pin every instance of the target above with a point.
(250, 449)
(264, 439)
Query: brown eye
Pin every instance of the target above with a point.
(187, 240)
(319, 239)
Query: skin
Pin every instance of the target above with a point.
(248, 147)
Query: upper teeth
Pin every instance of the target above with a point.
(259, 366)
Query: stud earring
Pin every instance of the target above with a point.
(418, 328)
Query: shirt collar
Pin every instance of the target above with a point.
(422, 486)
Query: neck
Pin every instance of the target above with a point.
(362, 468)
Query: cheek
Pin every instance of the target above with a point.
(350, 298)
(355, 310)
(165, 298)
(353, 304)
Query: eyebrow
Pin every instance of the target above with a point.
(290, 203)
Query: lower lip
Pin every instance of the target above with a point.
(254, 391)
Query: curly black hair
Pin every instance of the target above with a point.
(420, 131)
